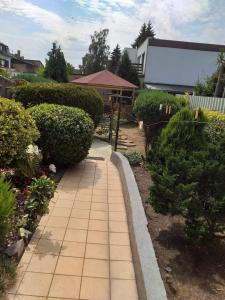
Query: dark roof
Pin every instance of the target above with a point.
(34, 62)
(105, 79)
(186, 45)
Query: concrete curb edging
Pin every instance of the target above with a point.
(149, 282)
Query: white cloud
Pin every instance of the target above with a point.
(123, 18)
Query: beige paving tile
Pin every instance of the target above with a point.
(26, 257)
(118, 200)
(66, 195)
(116, 226)
(100, 198)
(64, 203)
(44, 220)
(83, 198)
(32, 245)
(97, 251)
(82, 205)
(76, 235)
(117, 216)
(99, 206)
(38, 232)
(98, 237)
(57, 222)
(98, 225)
(119, 207)
(8, 297)
(80, 213)
(48, 246)
(65, 286)
(73, 249)
(100, 192)
(120, 253)
(121, 270)
(69, 266)
(61, 212)
(35, 284)
(43, 263)
(96, 268)
(23, 297)
(83, 193)
(98, 215)
(123, 289)
(75, 223)
(53, 233)
(112, 193)
(116, 238)
(95, 289)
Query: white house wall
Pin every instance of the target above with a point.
(178, 66)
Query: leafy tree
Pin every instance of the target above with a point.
(70, 68)
(206, 88)
(56, 68)
(115, 59)
(189, 174)
(145, 32)
(97, 57)
(220, 85)
(127, 71)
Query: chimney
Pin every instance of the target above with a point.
(18, 54)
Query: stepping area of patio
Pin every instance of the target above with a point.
(81, 249)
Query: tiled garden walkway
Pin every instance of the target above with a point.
(81, 249)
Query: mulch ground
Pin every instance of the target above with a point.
(189, 272)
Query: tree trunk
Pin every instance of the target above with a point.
(220, 82)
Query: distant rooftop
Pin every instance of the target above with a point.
(186, 45)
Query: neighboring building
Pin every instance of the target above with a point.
(5, 56)
(175, 66)
(17, 63)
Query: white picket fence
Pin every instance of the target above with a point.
(211, 103)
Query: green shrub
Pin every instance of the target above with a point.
(7, 205)
(66, 132)
(216, 125)
(17, 131)
(85, 98)
(189, 175)
(134, 158)
(41, 191)
(33, 78)
(147, 108)
(7, 273)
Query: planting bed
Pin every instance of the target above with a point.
(189, 272)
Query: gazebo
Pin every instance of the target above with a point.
(106, 80)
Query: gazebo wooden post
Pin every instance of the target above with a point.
(118, 122)
(111, 120)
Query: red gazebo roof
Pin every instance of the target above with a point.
(105, 79)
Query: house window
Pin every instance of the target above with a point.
(143, 59)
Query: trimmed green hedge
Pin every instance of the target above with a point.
(85, 98)
(66, 132)
(152, 107)
(216, 125)
(17, 131)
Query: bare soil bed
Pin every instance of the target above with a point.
(189, 272)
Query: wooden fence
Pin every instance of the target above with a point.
(211, 103)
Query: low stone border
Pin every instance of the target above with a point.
(149, 281)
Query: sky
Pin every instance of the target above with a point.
(32, 25)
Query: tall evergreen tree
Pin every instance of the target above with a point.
(127, 71)
(115, 60)
(145, 32)
(55, 67)
(97, 57)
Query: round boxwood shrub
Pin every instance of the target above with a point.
(66, 132)
(17, 131)
(85, 98)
